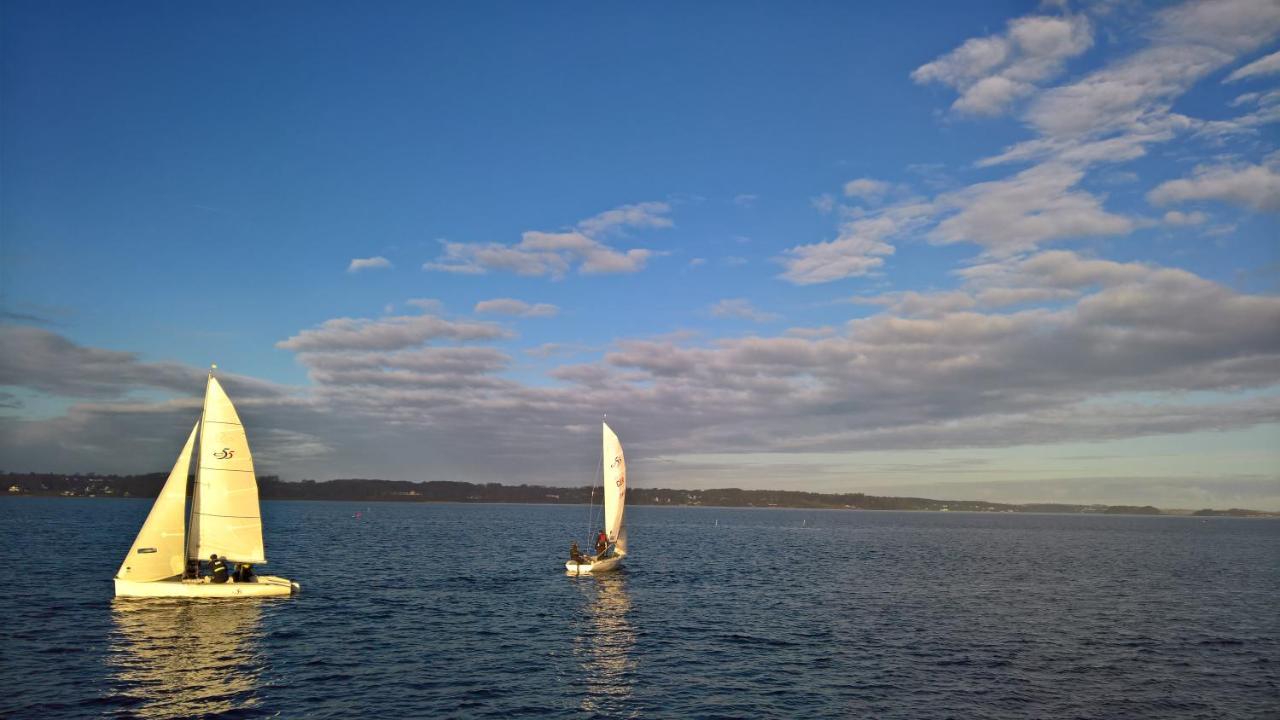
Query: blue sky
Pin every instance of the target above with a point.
(1019, 251)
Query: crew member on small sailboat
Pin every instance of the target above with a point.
(218, 568)
(611, 542)
(225, 517)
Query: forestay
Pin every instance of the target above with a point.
(615, 484)
(157, 553)
(225, 519)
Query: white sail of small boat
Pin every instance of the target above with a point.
(614, 482)
(225, 518)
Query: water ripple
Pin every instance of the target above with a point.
(416, 611)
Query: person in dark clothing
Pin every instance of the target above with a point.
(602, 544)
(218, 568)
(244, 573)
(575, 555)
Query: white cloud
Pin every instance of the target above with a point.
(824, 203)
(859, 249)
(993, 71)
(741, 309)
(1189, 41)
(1177, 217)
(866, 189)
(555, 253)
(1038, 205)
(390, 333)
(372, 263)
(51, 364)
(517, 308)
(1256, 187)
(1268, 65)
(639, 215)
(847, 256)
(745, 200)
(427, 305)
(927, 371)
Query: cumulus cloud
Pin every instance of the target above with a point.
(426, 305)
(1042, 348)
(1113, 114)
(1177, 217)
(1267, 65)
(50, 363)
(741, 309)
(389, 333)
(866, 189)
(1038, 205)
(1256, 187)
(370, 263)
(993, 71)
(1189, 42)
(858, 250)
(639, 215)
(516, 308)
(555, 253)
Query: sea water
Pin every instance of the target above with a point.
(446, 610)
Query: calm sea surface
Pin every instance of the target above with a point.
(465, 611)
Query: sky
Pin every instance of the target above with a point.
(1010, 251)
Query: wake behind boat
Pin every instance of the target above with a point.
(225, 519)
(611, 545)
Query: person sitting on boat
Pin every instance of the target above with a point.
(244, 573)
(575, 555)
(602, 544)
(218, 568)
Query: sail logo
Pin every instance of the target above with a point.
(225, 454)
(621, 479)
(616, 461)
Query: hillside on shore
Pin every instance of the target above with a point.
(372, 490)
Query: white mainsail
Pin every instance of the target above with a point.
(157, 553)
(615, 486)
(225, 519)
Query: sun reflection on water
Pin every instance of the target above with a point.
(604, 645)
(182, 658)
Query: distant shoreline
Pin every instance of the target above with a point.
(1236, 513)
(372, 490)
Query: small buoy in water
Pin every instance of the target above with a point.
(357, 515)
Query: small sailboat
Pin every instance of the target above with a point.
(225, 519)
(614, 482)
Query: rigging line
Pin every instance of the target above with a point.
(591, 506)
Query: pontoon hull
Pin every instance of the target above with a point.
(593, 566)
(261, 586)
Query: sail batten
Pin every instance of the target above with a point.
(226, 487)
(158, 551)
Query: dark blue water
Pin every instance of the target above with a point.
(465, 611)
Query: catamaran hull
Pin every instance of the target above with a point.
(262, 586)
(593, 566)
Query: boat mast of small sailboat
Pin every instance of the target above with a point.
(224, 519)
(613, 482)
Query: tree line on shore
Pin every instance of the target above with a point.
(272, 487)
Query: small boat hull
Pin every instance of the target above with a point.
(593, 566)
(261, 586)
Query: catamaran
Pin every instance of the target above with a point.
(224, 520)
(614, 482)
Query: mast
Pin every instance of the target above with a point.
(193, 539)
